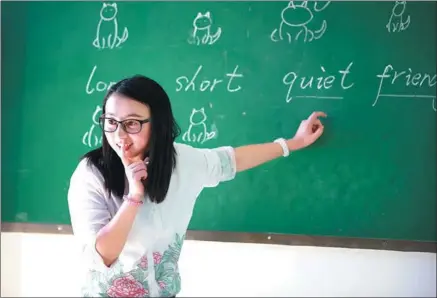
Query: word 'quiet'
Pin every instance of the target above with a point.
(321, 82)
(204, 85)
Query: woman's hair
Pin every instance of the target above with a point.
(160, 150)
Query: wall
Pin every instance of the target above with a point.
(229, 269)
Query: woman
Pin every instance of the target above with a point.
(131, 200)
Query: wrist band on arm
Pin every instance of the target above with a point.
(132, 200)
(281, 141)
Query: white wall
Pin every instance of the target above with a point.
(228, 269)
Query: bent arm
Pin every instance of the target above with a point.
(102, 238)
(112, 237)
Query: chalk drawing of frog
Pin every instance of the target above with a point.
(197, 131)
(296, 16)
(107, 28)
(396, 23)
(201, 33)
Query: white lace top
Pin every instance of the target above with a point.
(148, 264)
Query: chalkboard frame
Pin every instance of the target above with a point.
(255, 238)
(258, 238)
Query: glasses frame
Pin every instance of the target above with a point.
(102, 118)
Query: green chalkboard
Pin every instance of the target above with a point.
(250, 72)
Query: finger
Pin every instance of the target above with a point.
(139, 168)
(136, 164)
(126, 162)
(125, 159)
(317, 123)
(318, 132)
(140, 175)
(316, 115)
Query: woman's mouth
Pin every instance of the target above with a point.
(124, 147)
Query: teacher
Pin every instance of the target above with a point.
(131, 199)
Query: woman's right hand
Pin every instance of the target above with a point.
(136, 171)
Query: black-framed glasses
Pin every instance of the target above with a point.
(131, 126)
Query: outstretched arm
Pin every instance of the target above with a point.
(250, 156)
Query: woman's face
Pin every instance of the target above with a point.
(136, 139)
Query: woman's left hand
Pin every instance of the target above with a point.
(308, 132)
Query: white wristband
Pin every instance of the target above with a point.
(281, 141)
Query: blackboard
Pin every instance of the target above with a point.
(239, 73)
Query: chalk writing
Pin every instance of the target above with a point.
(197, 131)
(397, 23)
(100, 86)
(322, 82)
(92, 137)
(295, 17)
(406, 78)
(201, 33)
(107, 28)
(205, 85)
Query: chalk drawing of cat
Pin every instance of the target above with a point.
(90, 138)
(197, 131)
(201, 33)
(397, 21)
(107, 28)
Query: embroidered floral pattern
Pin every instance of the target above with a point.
(117, 283)
(167, 271)
(143, 263)
(126, 286)
(162, 284)
(157, 258)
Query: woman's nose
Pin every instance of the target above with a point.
(120, 132)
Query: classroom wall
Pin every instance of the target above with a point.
(230, 269)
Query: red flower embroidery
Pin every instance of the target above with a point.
(162, 284)
(143, 263)
(126, 286)
(157, 257)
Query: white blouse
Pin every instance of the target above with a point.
(148, 264)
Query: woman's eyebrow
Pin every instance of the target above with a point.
(127, 116)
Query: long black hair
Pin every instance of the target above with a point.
(161, 151)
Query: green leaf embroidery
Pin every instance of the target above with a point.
(138, 274)
(165, 293)
(167, 270)
(145, 284)
(103, 286)
(175, 284)
(112, 275)
(171, 255)
(95, 275)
